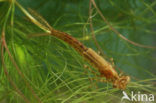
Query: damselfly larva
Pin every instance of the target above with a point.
(104, 67)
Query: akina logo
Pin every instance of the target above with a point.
(137, 97)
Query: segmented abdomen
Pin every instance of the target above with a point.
(78, 46)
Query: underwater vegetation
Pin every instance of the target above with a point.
(77, 51)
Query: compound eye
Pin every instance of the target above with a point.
(123, 81)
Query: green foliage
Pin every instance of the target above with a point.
(56, 71)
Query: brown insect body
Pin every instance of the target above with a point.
(101, 64)
(105, 68)
(78, 46)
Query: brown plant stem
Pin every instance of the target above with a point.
(6, 72)
(92, 29)
(118, 33)
(17, 68)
